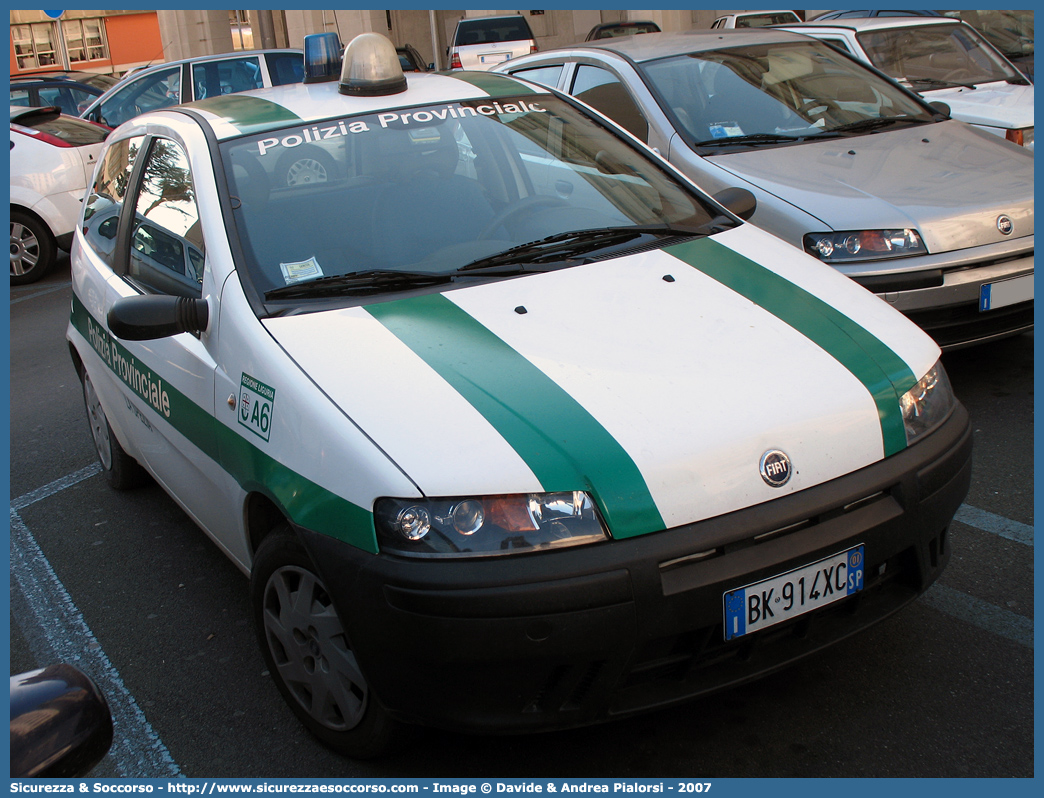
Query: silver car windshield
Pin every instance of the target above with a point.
(776, 93)
(436, 191)
(934, 56)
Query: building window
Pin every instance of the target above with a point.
(242, 31)
(34, 45)
(84, 39)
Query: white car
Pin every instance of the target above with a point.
(480, 43)
(943, 60)
(511, 426)
(755, 19)
(52, 159)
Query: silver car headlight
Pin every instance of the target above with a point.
(927, 404)
(850, 246)
(487, 525)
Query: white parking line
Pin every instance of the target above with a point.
(990, 617)
(996, 524)
(58, 633)
(51, 290)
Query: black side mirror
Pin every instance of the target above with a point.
(739, 201)
(61, 726)
(151, 316)
(941, 107)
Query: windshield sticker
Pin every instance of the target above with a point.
(256, 403)
(301, 270)
(725, 130)
(397, 120)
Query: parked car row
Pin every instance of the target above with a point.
(929, 213)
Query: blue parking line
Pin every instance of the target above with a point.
(58, 632)
(1015, 627)
(995, 524)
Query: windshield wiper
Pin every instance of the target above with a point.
(752, 138)
(939, 84)
(565, 246)
(366, 280)
(866, 125)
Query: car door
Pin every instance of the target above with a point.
(149, 92)
(143, 232)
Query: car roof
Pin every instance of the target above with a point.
(72, 76)
(278, 107)
(860, 24)
(651, 46)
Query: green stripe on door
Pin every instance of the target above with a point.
(307, 504)
(494, 85)
(885, 375)
(248, 114)
(564, 446)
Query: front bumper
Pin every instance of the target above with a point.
(940, 293)
(579, 636)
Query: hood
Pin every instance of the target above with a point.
(948, 180)
(655, 381)
(1000, 104)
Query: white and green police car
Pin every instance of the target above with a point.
(511, 426)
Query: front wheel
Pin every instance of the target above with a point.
(308, 653)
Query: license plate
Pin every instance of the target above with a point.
(494, 59)
(1006, 292)
(794, 593)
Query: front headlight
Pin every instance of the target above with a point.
(927, 404)
(486, 525)
(857, 245)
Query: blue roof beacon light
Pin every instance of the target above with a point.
(322, 57)
(371, 67)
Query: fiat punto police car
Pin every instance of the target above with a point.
(511, 426)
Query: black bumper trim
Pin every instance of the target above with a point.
(578, 636)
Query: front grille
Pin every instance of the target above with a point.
(961, 325)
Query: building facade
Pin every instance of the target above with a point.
(116, 41)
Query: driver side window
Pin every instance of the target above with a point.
(167, 253)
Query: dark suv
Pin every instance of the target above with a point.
(70, 91)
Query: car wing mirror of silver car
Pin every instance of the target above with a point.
(738, 201)
(151, 316)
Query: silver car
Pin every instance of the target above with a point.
(162, 85)
(934, 216)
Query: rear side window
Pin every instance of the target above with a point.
(285, 68)
(545, 75)
(215, 78)
(491, 31)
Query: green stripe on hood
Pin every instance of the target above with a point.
(564, 446)
(493, 85)
(885, 375)
(248, 114)
(306, 504)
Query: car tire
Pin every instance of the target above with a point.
(308, 653)
(122, 471)
(304, 165)
(33, 250)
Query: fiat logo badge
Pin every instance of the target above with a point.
(775, 468)
(1005, 225)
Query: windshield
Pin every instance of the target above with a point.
(774, 93)
(428, 190)
(934, 56)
